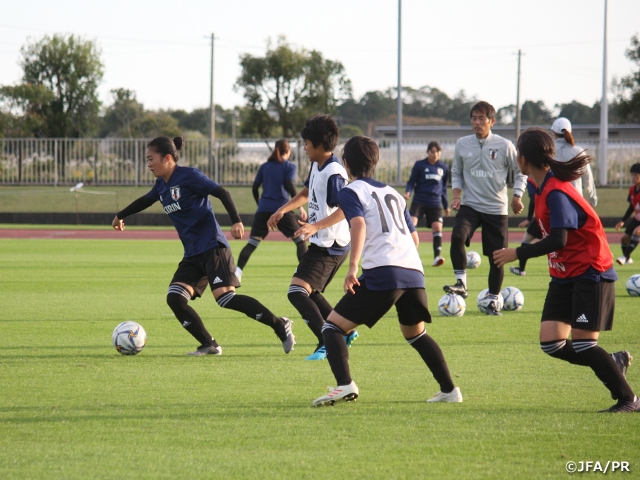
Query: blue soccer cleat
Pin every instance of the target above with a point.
(319, 354)
(349, 339)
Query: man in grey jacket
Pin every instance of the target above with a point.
(481, 163)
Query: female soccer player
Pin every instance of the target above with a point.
(581, 296)
(631, 235)
(383, 234)
(276, 176)
(184, 194)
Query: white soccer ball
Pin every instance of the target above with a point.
(452, 305)
(129, 338)
(513, 298)
(483, 301)
(473, 259)
(633, 285)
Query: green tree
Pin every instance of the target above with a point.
(286, 86)
(580, 114)
(124, 116)
(70, 68)
(535, 113)
(628, 88)
(22, 110)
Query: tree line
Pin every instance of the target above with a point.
(57, 97)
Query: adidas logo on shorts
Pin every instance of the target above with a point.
(582, 319)
(217, 280)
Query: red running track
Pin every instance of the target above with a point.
(110, 234)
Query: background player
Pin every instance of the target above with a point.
(276, 176)
(383, 234)
(533, 229)
(184, 194)
(428, 182)
(581, 297)
(481, 163)
(631, 235)
(327, 229)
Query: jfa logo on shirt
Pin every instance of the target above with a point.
(493, 154)
(175, 193)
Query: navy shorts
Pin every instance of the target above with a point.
(366, 307)
(214, 267)
(633, 224)
(432, 214)
(288, 224)
(317, 267)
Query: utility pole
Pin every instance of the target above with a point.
(399, 106)
(212, 122)
(604, 111)
(518, 99)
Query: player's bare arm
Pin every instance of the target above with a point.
(358, 234)
(296, 202)
(309, 229)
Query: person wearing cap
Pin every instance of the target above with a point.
(566, 149)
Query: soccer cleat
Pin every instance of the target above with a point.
(206, 350)
(623, 360)
(492, 309)
(284, 331)
(349, 339)
(453, 396)
(629, 261)
(437, 261)
(517, 271)
(342, 393)
(457, 289)
(624, 260)
(238, 274)
(623, 407)
(319, 354)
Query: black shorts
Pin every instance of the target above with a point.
(633, 224)
(366, 307)
(288, 224)
(495, 228)
(534, 229)
(214, 267)
(433, 214)
(584, 304)
(317, 267)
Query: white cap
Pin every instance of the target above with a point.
(561, 124)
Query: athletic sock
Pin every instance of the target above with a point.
(337, 353)
(246, 252)
(496, 276)
(457, 251)
(308, 309)
(177, 299)
(563, 350)
(322, 304)
(605, 368)
(301, 247)
(251, 307)
(461, 275)
(624, 248)
(523, 263)
(632, 245)
(437, 244)
(432, 355)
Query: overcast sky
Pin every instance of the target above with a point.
(161, 49)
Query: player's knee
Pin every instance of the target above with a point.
(553, 347)
(177, 297)
(458, 236)
(225, 299)
(297, 239)
(296, 292)
(329, 326)
(254, 242)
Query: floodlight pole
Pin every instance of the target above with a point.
(518, 99)
(604, 111)
(212, 121)
(399, 105)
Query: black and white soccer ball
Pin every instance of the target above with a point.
(473, 259)
(513, 298)
(633, 285)
(452, 305)
(483, 301)
(129, 338)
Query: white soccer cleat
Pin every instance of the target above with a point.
(438, 261)
(452, 397)
(342, 393)
(629, 261)
(238, 273)
(287, 332)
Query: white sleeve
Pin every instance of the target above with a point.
(457, 180)
(589, 185)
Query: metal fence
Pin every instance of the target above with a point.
(66, 161)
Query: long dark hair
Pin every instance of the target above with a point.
(537, 146)
(566, 134)
(281, 148)
(165, 146)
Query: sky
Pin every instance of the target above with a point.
(161, 50)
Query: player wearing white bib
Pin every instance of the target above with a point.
(327, 229)
(383, 234)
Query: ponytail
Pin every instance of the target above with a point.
(568, 137)
(537, 146)
(281, 148)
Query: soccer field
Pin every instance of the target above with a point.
(71, 407)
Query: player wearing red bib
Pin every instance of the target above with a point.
(581, 297)
(631, 235)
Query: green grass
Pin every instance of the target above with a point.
(72, 408)
(612, 202)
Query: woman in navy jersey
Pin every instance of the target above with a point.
(276, 176)
(184, 194)
(581, 297)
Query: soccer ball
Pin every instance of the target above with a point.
(483, 301)
(452, 305)
(473, 260)
(513, 298)
(129, 338)
(633, 285)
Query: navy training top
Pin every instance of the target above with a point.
(430, 183)
(272, 175)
